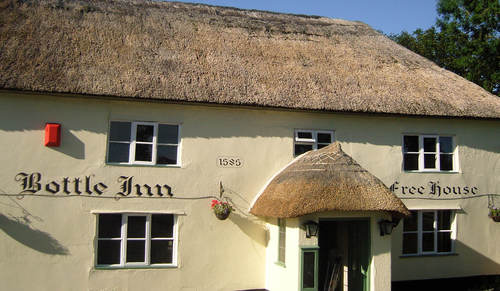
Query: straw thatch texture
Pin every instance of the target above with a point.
(325, 180)
(198, 53)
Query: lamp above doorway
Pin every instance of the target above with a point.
(387, 226)
(312, 228)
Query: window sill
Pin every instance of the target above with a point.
(432, 172)
(135, 267)
(143, 165)
(281, 264)
(427, 255)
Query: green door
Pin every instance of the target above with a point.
(359, 255)
(309, 269)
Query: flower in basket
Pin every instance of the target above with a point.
(221, 209)
(494, 212)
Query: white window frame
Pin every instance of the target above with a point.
(147, 249)
(421, 153)
(311, 141)
(133, 142)
(420, 232)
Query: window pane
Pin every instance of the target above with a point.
(446, 162)
(144, 152)
(410, 223)
(302, 148)
(428, 242)
(320, 146)
(444, 242)
(308, 270)
(166, 155)
(429, 161)
(118, 152)
(161, 251)
(444, 220)
(324, 138)
(429, 144)
(108, 252)
(136, 251)
(411, 162)
(119, 131)
(136, 227)
(162, 225)
(410, 245)
(144, 133)
(168, 133)
(281, 254)
(410, 143)
(304, 134)
(446, 144)
(110, 225)
(428, 220)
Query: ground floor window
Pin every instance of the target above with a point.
(281, 240)
(428, 232)
(125, 240)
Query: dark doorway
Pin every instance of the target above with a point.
(344, 255)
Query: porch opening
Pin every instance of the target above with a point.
(344, 255)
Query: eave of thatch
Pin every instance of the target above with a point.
(197, 53)
(325, 180)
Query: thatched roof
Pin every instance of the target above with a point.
(325, 180)
(197, 53)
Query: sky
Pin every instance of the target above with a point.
(389, 16)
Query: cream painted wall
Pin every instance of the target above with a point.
(52, 238)
(278, 276)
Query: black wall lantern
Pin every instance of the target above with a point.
(387, 226)
(311, 228)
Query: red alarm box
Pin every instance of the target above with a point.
(52, 134)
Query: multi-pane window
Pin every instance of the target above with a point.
(281, 240)
(306, 140)
(143, 143)
(428, 232)
(136, 240)
(429, 153)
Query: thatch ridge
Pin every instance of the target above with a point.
(325, 180)
(198, 53)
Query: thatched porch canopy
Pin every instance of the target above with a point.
(178, 52)
(325, 180)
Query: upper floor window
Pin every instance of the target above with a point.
(125, 240)
(429, 153)
(428, 232)
(144, 143)
(306, 140)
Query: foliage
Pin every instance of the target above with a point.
(465, 40)
(221, 208)
(494, 212)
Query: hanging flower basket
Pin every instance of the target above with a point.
(221, 209)
(494, 214)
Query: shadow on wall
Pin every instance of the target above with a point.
(251, 227)
(483, 271)
(249, 224)
(477, 262)
(30, 237)
(474, 283)
(72, 146)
